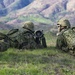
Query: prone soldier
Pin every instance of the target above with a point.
(24, 38)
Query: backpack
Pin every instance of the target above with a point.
(69, 36)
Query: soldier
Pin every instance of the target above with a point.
(24, 38)
(63, 25)
(28, 34)
(34, 40)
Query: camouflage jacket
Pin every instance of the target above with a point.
(61, 41)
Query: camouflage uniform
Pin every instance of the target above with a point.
(29, 31)
(4, 46)
(19, 38)
(63, 25)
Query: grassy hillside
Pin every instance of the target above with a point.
(48, 61)
(33, 18)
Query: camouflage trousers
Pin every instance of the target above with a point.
(3, 46)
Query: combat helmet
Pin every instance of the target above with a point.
(29, 25)
(64, 22)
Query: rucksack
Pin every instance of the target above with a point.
(69, 36)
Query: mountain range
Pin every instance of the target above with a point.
(7, 6)
(38, 11)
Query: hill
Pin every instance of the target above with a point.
(4, 26)
(11, 5)
(47, 11)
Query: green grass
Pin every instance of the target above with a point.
(47, 61)
(33, 18)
